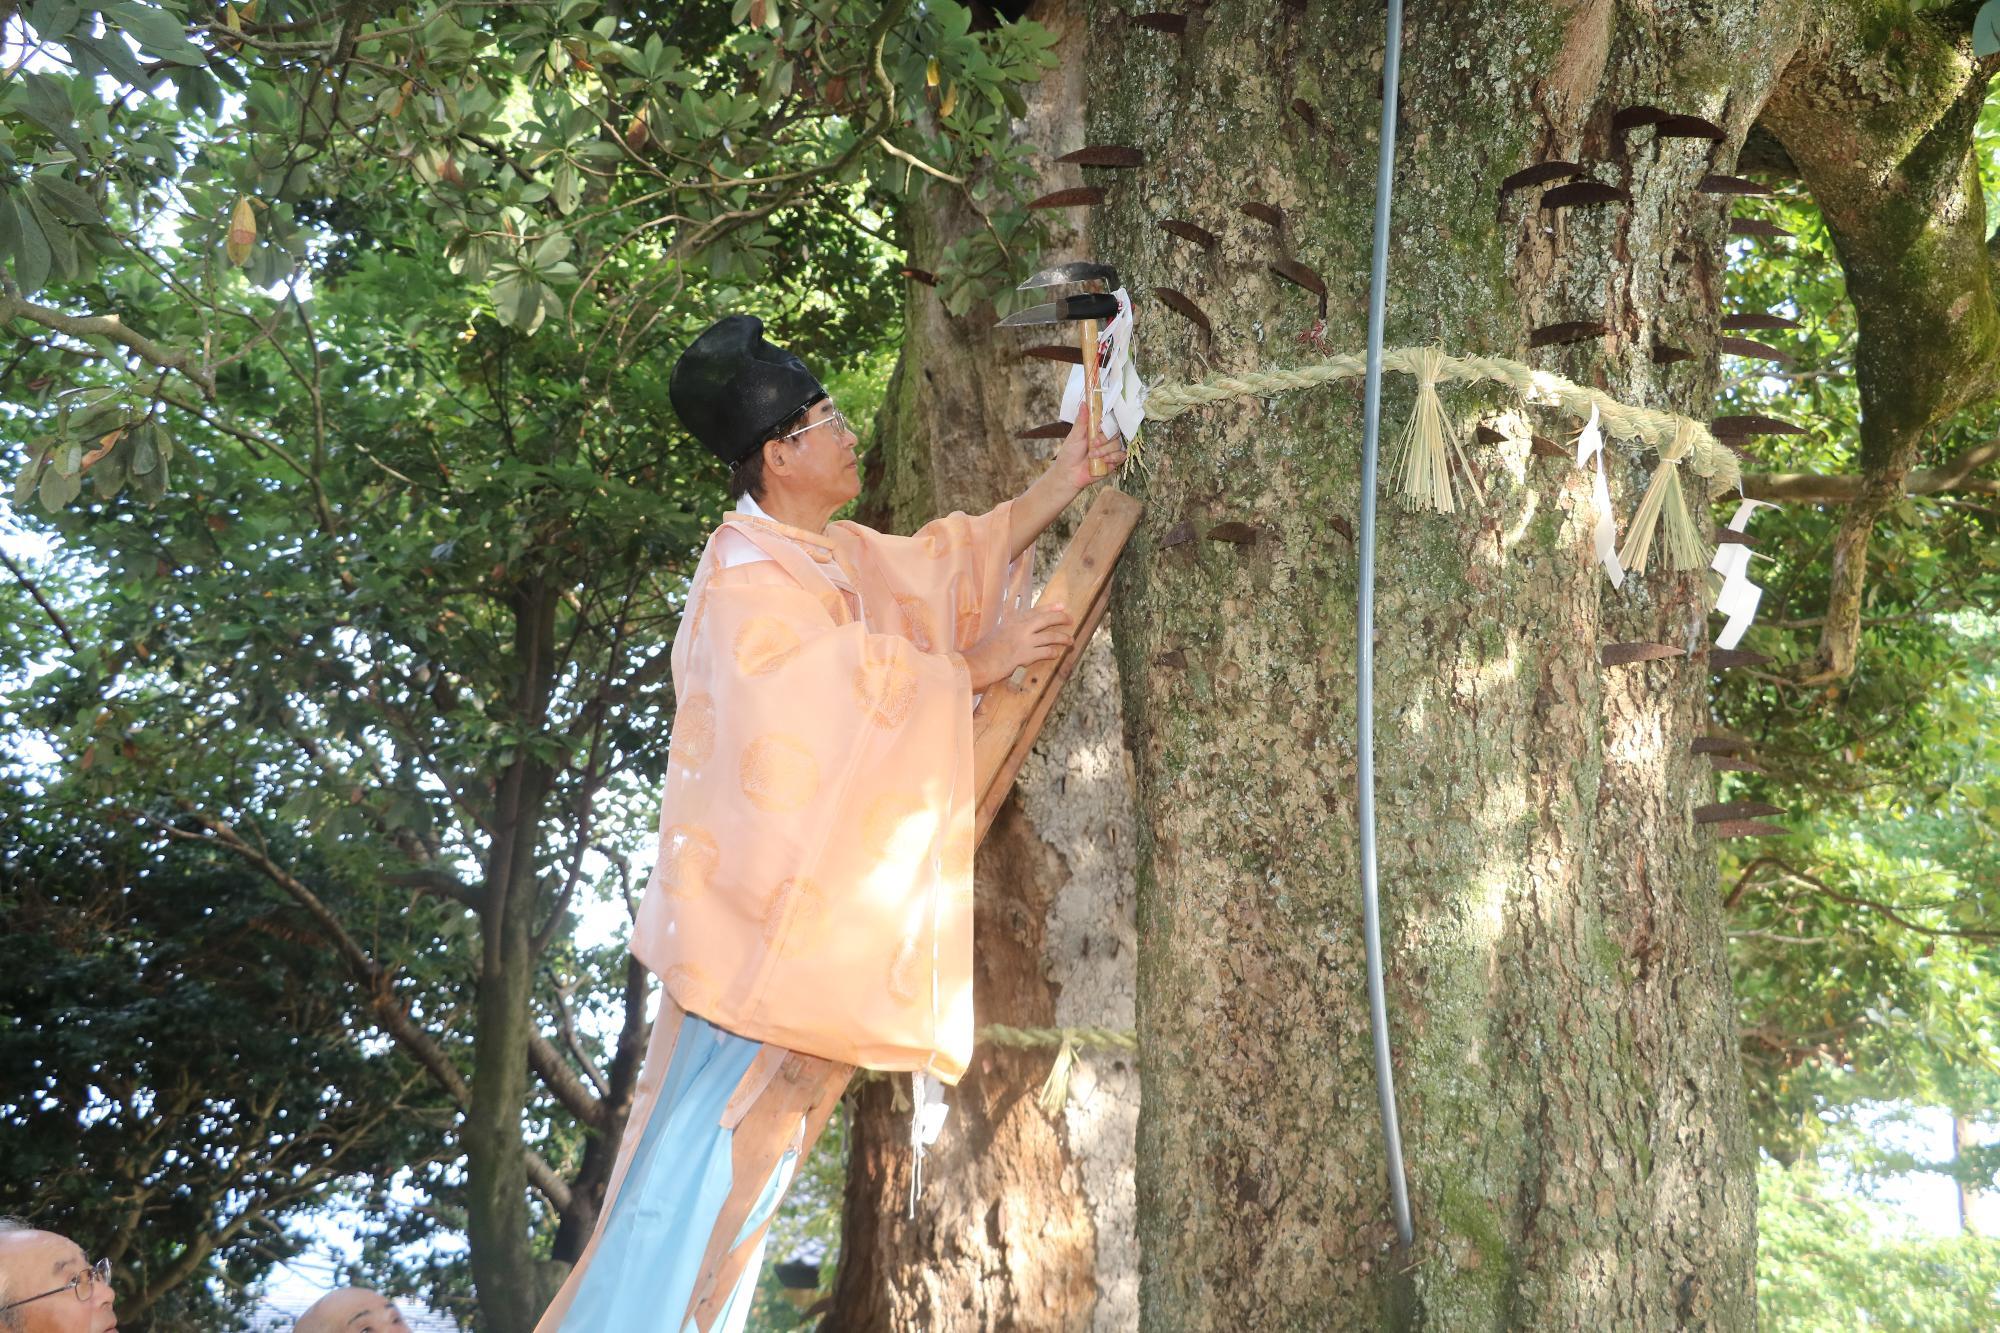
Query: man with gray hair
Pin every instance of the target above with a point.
(48, 1286)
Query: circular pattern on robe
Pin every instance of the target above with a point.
(694, 732)
(918, 623)
(800, 900)
(691, 988)
(778, 773)
(763, 644)
(886, 685)
(688, 858)
(904, 969)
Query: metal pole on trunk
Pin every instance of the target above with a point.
(1371, 914)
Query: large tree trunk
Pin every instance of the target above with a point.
(1026, 1220)
(1572, 1111)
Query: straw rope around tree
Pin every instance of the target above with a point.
(1664, 431)
(1067, 1041)
(1055, 1088)
(1429, 446)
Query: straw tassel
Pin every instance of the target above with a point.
(1426, 466)
(1055, 1088)
(1663, 502)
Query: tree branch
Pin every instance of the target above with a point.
(1813, 488)
(566, 1026)
(442, 883)
(1893, 912)
(184, 362)
(395, 1018)
(1892, 162)
(562, 1081)
(35, 592)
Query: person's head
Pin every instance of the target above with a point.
(809, 460)
(47, 1285)
(757, 408)
(350, 1310)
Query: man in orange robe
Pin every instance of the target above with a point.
(811, 909)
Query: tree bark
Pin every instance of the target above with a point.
(1026, 1220)
(1564, 1033)
(513, 1286)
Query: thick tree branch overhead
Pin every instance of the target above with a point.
(1953, 476)
(1878, 114)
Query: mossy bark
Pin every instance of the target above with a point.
(1026, 1218)
(1573, 1115)
(1877, 115)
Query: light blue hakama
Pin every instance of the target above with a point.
(649, 1251)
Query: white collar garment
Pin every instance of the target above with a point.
(735, 550)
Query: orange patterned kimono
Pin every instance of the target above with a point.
(814, 882)
(812, 902)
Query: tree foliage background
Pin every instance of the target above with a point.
(349, 530)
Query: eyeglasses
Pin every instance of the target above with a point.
(835, 417)
(84, 1284)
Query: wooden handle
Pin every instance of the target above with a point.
(1098, 467)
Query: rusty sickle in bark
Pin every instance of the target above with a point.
(1080, 196)
(1748, 828)
(1737, 185)
(1625, 654)
(1105, 155)
(1292, 271)
(1755, 350)
(1188, 231)
(1757, 227)
(1540, 174)
(1068, 355)
(1723, 811)
(1758, 320)
(1179, 303)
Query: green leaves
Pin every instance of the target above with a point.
(44, 99)
(520, 300)
(23, 243)
(157, 31)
